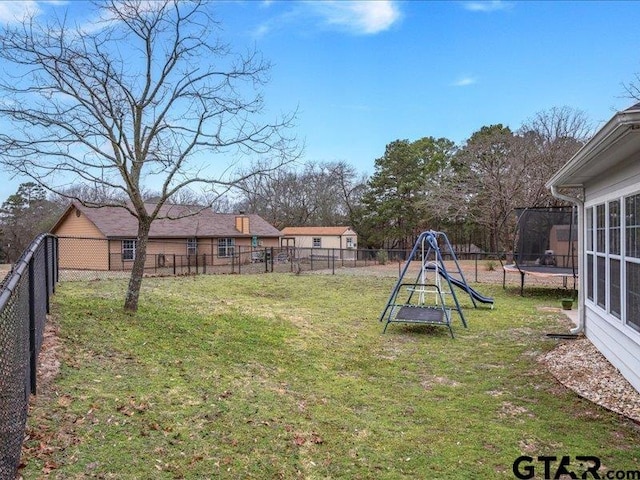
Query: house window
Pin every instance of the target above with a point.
(614, 259)
(601, 277)
(632, 260)
(590, 277)
(633, 295)
(600, 229)
(614, 288)
(192, 246)
(225, 247)
(129, 249)
(601, 236)
(632, 217)
(317, 242)
(349, 242)
(614, 227)
(589, 242)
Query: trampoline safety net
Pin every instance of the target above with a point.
(547, 239)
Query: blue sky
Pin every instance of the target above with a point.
(363, 74)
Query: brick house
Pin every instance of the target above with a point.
(105, 238)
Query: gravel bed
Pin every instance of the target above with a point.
(578, 365)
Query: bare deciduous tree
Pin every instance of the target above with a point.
(550, 138)
(146, 95)
(498, 170)
(319, 194)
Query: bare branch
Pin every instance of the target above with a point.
(147, 94)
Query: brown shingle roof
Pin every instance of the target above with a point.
(116, 222)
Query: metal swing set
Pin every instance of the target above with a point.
(424, 300)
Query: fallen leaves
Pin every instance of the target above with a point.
(301, 439)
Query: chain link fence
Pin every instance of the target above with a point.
(84, 259)
(24, 305)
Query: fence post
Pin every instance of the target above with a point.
(46, 272)
(333, 261)
(476, 259)
(56, 244)
(32, 328)
(271, 259)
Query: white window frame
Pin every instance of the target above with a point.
(316, 242)
(129, 247)
(612, 255)
(628, 260)
(590, 254)
(192, 246)
(618, 253)
(226, 246)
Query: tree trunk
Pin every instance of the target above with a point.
(137, 272)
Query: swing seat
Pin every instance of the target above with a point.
(422, 314)
(412, 310)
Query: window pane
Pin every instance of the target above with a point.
(614, 227)
(632, 221)
(600, 229)
(128, 249)
(614, 287)
(590, 277)
(589, 222)
(225, 247)
(192, 246)
(600, 278)
(317, 242)
(633, 295)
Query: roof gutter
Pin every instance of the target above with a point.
(581, 283)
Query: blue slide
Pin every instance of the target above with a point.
(460, 284)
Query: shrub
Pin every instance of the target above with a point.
(382, 257)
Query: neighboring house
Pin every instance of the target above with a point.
(105, 238)
(607, 173)
(340, 242)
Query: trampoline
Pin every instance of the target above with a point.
(546, 245)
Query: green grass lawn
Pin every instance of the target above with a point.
(285, 376)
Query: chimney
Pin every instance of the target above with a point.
(242, 223)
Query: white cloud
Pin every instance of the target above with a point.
(362, 17)
(12, 11)
(464, 81)
(15, 12)
(487, 5)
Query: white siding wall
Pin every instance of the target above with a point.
(621, 177)
(619, 345)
